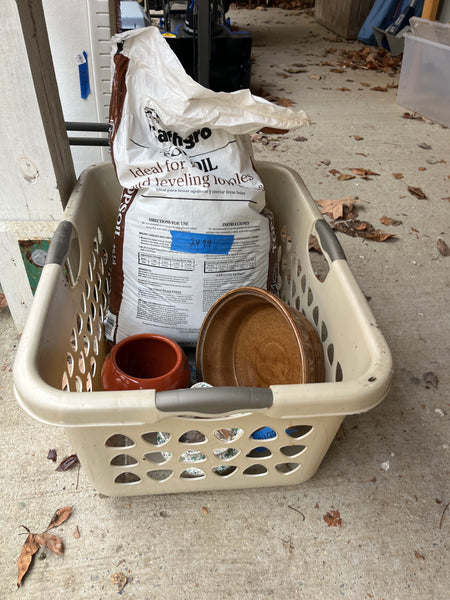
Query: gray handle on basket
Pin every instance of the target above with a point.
(329, 241)
(213, 401)
(59, 246)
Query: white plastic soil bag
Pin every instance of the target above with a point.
(192, 223)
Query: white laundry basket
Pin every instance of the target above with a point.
(143, 442)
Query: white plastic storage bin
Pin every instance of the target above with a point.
(143, 442)
(424, 85)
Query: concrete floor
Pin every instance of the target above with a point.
(389, 475)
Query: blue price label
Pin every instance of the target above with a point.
(201, 243)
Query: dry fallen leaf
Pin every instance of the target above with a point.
(363, 172)
(443, 247)
(379, 88)
(60, 516)
(52, 455)
(335, 208)
(345, 176)
(362, 229)
(397, 175)
(431, 379)
(332, 518)
(50, 541)
(67, 463)
(358, 138)
(417, 192)
(390, 221)
(120, 580)
(419, 556)
(76, 533)
(29, 549)
(285, 102)
(343, 89)
(424, 146)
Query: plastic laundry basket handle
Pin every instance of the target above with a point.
(59, 246)
(214, 400)
(329, 241)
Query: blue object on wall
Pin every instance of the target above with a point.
(83, 71)
(383, 14)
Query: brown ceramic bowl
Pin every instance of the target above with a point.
(251, 338)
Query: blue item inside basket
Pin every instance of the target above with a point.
(265, 433)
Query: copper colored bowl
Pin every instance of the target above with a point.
(251, 338)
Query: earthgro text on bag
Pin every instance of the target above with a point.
(192, 222)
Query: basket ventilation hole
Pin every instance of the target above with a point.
(78, 384)
(228, 435)
(324, 331)
(192, 456)
(89, 325)
(73, 340)
(95, 294)
(88, 383)
(255, 470)
(310, 297)
(339, 374)
(93, 366)
(93, 311)
(90, 274)
(93, 260)
(127, 478)
(99, 235)
(293, 450)
(83, 303)
(330, 353)
(107, 289)
(318, 261)
(156, 438)
(160, 474)
(299, 267)
(224, 471)
(118, 440)
(259, 452)
(65, 383)
(284, 233)
(95, 346)
(316, 315)
(287, 467)
(122, 460)
(297, 303)
(264, 433)
(298, 431)
(226, 453)
(79, 323)
(192, 437)
(104, 301)
(81, 363)
(105, 255)
(159, 458)
(303, 283)
(293, 288)
(87, 288)
(86, 345)
(192, 474)
(69, 361)
(95, 245)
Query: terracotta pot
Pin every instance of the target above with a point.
(251, 338)
(145, 361)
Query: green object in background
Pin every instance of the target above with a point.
(34, 253)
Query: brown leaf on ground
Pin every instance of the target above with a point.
(413, 116)
(419, 556)
(29, 549)
(417, 192)
(52, 455)
(424, 146)
(332, 518)
(362, 229)
(431, 380)
(390, 221)
(343, 89)
(379, 88)
(345, 177)
(363, 172)
(76, 533)
(3, 301)
(284, 102)
(337, 70)
(334, 172)
(397, 175)
(335, 208)
(60, 516)
(67, 463)
(358, 138)
(50, 541)
(313, 244)
(120, 580)
(443, 247)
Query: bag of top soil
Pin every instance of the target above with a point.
(192, 222)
